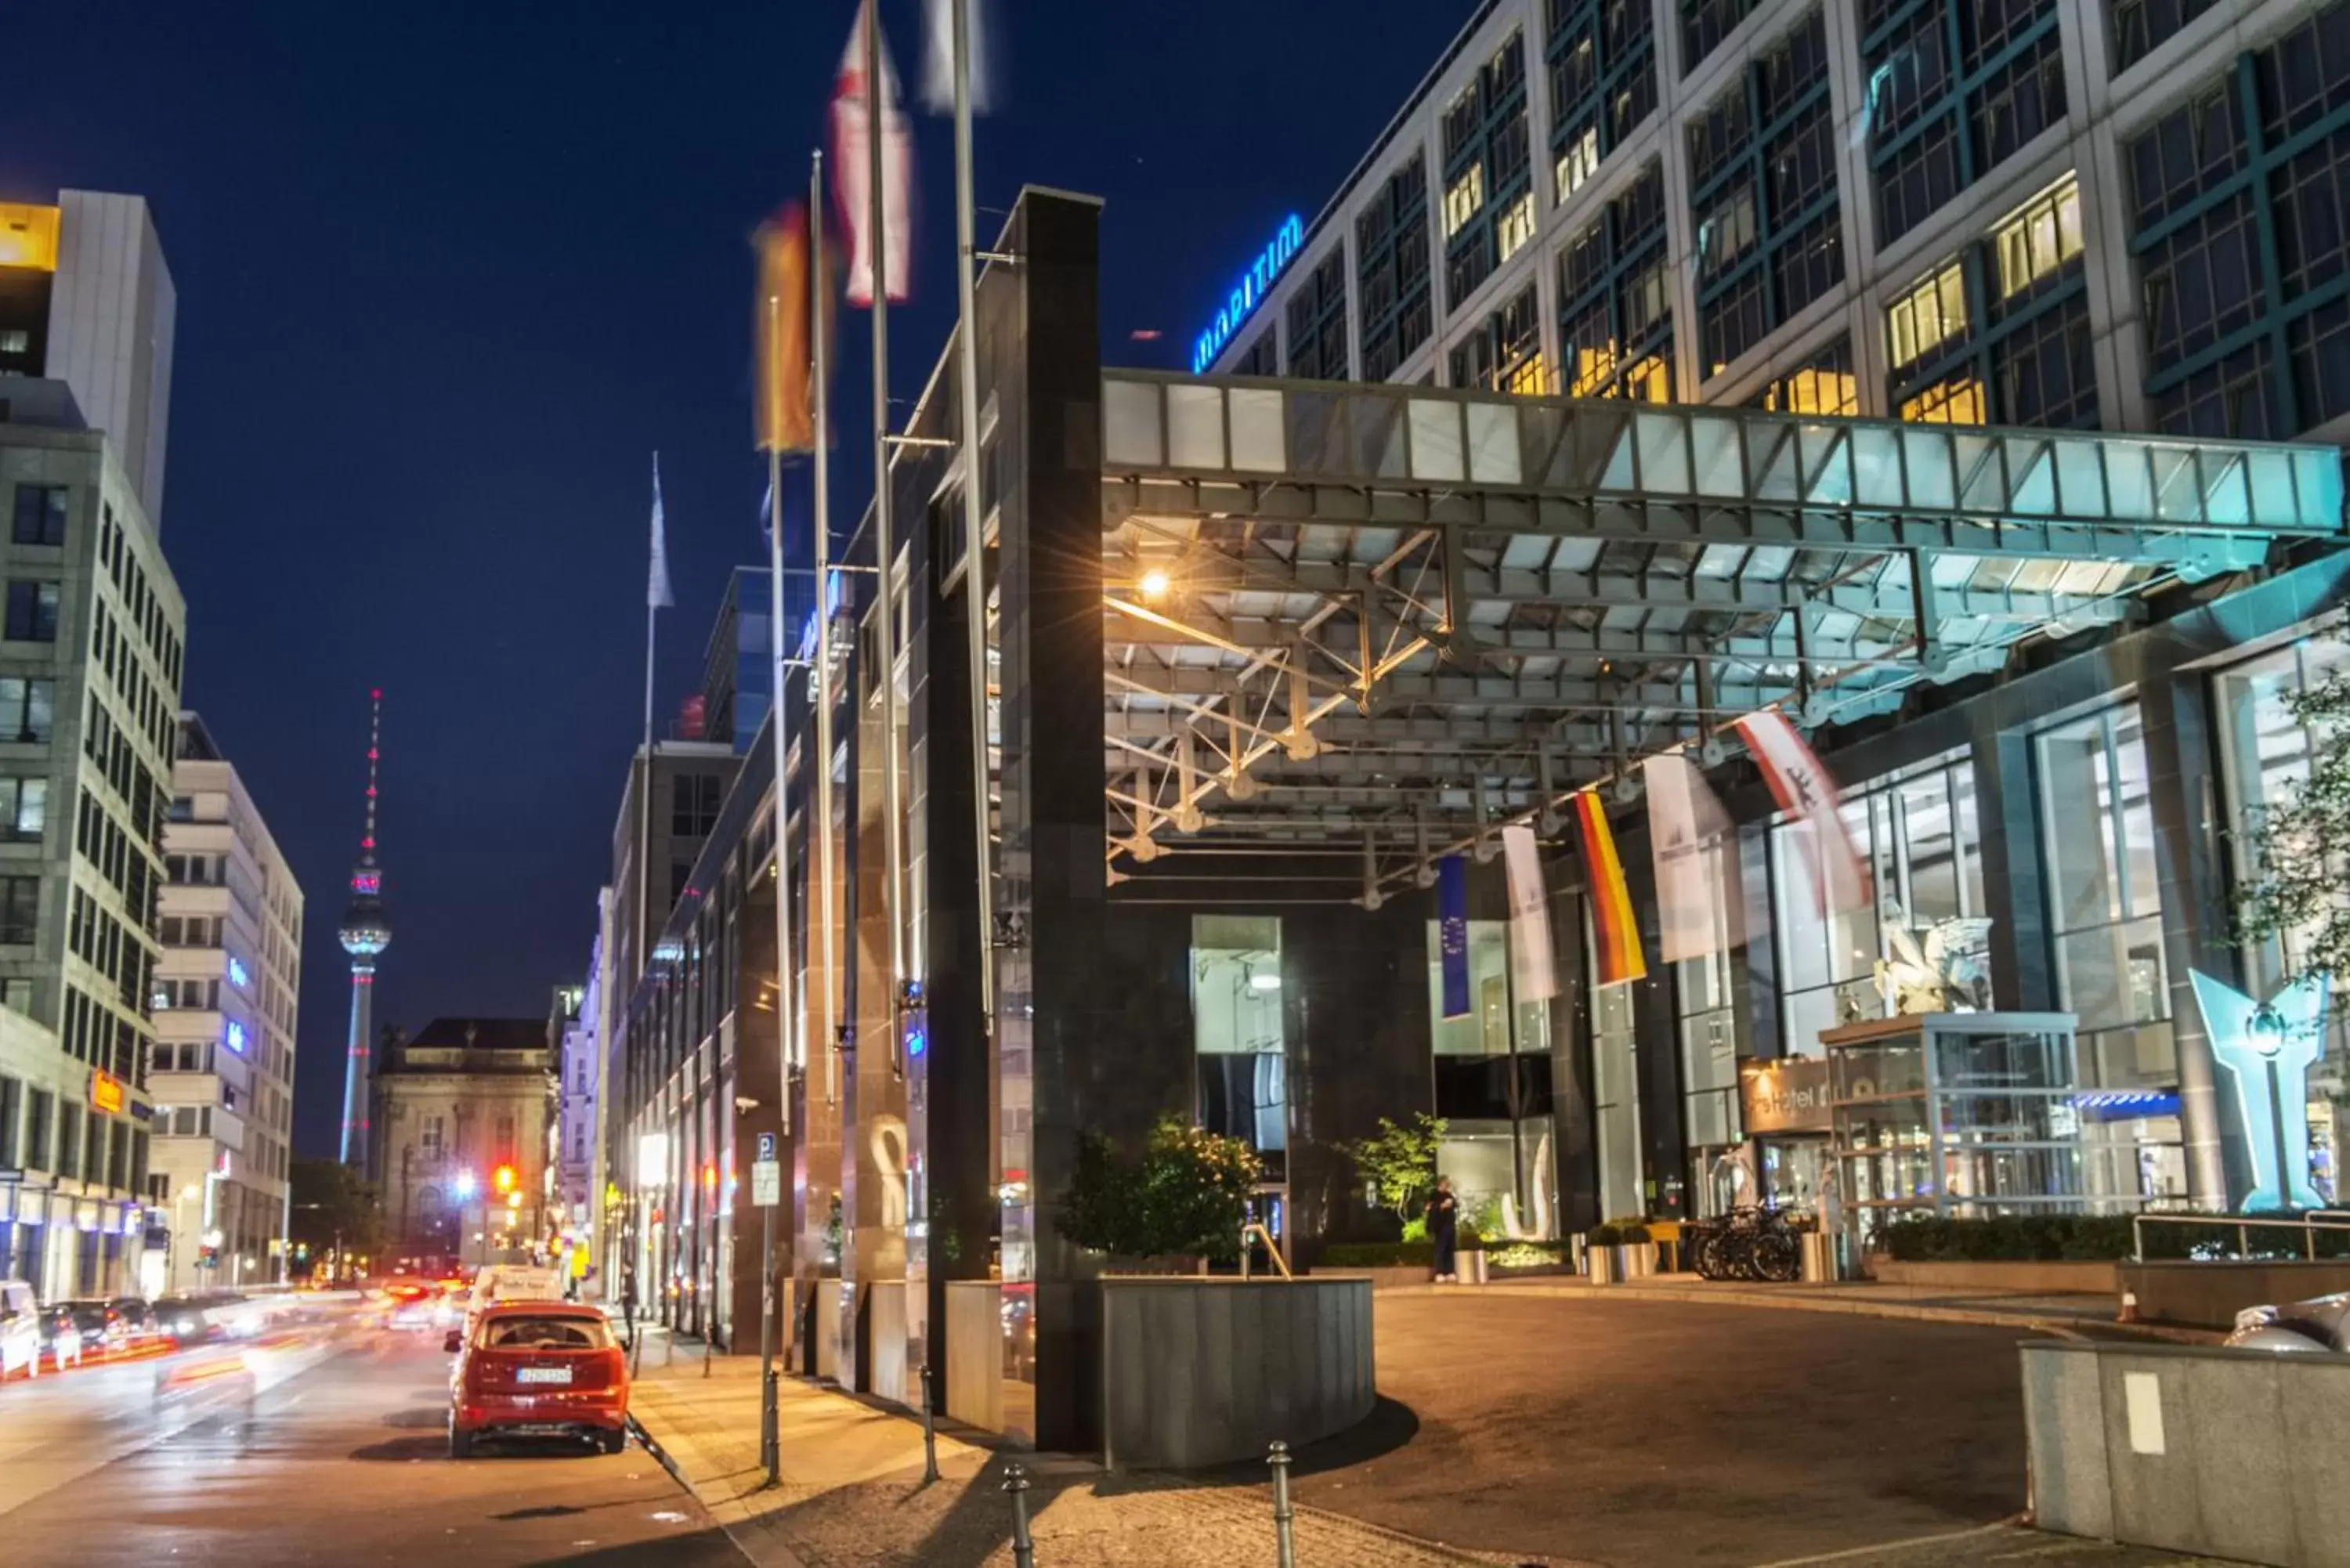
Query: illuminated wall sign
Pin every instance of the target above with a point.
(235, 1034)
(105, 1092)
(1249, 292)
(2267, 1048)
(237, 973)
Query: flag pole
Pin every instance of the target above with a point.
(975, 518)
(822, 686)
(786, 993)
(645, 784)
(885, 549)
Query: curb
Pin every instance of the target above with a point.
(1845, 1305)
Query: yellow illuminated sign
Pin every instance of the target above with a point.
(29, 236)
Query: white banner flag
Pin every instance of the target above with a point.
(1532, 972)
(1803, 788)
(1700, 899)
(852, 171)
(939, 61)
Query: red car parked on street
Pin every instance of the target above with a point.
(539, 1369)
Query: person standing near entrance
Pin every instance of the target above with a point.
(1443, 1211)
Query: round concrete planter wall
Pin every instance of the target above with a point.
(1199, 1372)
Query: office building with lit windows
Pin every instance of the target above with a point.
(225, 996)
(2063, 214)
(90, 662)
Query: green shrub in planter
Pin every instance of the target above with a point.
(1629, 1231)
(1526, 1255)
(2008, 1238)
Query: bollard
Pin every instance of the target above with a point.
(1278, 1458)
(1024, 1551)
(930, 1430)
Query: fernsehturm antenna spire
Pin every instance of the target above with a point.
(365, 934)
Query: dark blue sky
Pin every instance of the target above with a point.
(449, 272)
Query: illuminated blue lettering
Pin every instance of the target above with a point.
(1256, 281)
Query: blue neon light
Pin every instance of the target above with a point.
(1249, 292)
(237, 973)
(236, 1036)
(917, 1042)
(2267, 1048)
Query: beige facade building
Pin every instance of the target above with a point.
(461, 1114)
(225, 996)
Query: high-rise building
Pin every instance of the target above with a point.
(90, 664)
(87, 300)
(2095, 213)
(364, 935)
(225, 997)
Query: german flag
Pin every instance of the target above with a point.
(1615, 932)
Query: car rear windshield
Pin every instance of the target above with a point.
(565, 1332)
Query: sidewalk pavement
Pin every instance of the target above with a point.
(852, 1489)
(852, 1496)
(2072, 1317)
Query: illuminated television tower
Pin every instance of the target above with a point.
(365, 934)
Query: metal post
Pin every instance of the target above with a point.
(1024, 1550)
(929, 1430)
(973, 509)
(885, 543)
(770, 1327)
(820, 687)
(1284, 1543)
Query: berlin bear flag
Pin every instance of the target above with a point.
(852, 121)
(1805, 790)
(1695, 852)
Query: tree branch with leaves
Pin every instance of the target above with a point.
(2298, 893)
(1400, 1162)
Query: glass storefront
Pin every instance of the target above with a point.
(1919, 835)
(1957, 1114)
(2266, 752)
(1615, 1101)
(1238, 1031)
(2105, 922)
(1493, 1088)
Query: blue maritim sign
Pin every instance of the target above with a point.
(1249, 292)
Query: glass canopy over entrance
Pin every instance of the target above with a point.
(1391, 617)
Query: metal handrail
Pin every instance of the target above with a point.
(1255, 1229)
(2309, 1225)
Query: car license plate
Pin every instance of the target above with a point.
(544, 1374)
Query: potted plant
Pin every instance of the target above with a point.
(1619, 1250)
(1176, 1209)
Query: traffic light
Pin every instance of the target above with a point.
(505, 1178)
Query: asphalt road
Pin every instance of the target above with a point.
(327, 1452)
(1663, 1435)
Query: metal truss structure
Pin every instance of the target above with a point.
(1382, 620)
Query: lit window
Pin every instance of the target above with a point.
(1578, 163)
(1466, 198)
(15, 340)
(2038, 237)
(1529, 379)
(1517, 225)
(1933, 311)
(1953, 401)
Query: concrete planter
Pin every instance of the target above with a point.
(1202, 1371)
(2223, 1453)
(2209, 1295)
(1612, 1265)
(974, 1391)
(2023, 1277)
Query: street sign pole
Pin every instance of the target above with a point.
(766, 1191)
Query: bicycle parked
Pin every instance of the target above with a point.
(1749, 1244)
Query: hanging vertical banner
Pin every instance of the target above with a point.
(852, 122)
(1803, 788)
(1700, 906)
(1615, 932)
(787, 416)
(1532, 972)
(1452, 933)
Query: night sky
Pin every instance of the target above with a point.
(450, 271)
